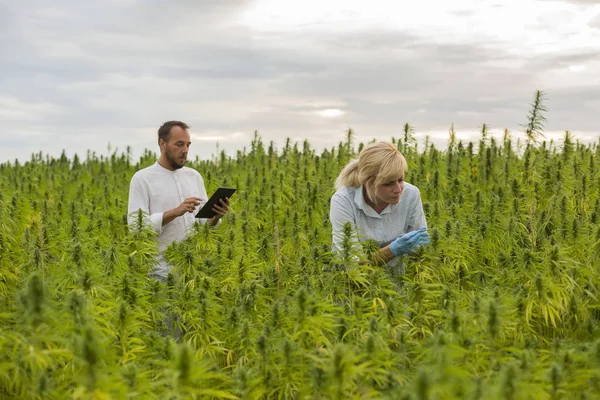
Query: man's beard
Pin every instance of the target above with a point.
(173, 162)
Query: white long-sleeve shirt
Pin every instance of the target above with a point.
(156, 190)
(348, 205)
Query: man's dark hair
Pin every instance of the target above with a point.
(164, 132)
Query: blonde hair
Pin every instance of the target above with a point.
(377, 163)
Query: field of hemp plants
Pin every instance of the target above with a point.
(503, 304)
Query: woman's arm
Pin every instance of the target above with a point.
(417, 219)
(380, 257)
(341, 213)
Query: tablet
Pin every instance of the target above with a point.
(222, 192)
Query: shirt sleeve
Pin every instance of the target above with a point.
(417, 218)
(139, 198)
(340, 213)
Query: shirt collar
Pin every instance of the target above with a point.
(160, 167)
(359, 200)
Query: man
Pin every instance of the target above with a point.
(170, 193)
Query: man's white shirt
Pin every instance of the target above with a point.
(156, 190)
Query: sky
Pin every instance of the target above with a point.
(101, 76)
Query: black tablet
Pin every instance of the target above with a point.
(222, 192)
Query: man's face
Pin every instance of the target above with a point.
(176, 147)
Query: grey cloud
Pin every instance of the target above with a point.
(570, 58)
(137, 41)
(585, 2)
(116, 69)
(93, 54)
(453, 79)
(571, 109)
(442, 79)
(6, 16)
(238, 63)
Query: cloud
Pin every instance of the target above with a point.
(113, 71)
(13, 109)
(586, 2)
(330, 113)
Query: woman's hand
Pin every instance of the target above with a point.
(410, 242)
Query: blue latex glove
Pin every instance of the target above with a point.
(410, 242)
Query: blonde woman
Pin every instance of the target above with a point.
(373, 197)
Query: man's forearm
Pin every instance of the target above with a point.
(213, 221)
(169, 216)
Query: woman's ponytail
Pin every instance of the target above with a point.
(349, 176)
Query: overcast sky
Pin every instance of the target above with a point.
(79, 75)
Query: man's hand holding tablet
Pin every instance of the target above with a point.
(218, 204)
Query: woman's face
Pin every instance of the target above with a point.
(390, 192)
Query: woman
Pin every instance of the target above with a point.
(373, 197)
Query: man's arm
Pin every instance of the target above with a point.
(219, 210)
(139, 198)
(188, 205)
